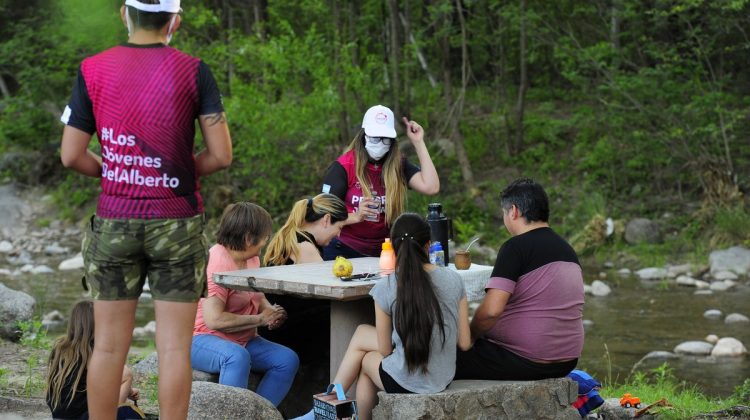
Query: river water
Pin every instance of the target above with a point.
(636, 318)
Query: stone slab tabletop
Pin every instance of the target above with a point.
(316, 280)
(306, 280)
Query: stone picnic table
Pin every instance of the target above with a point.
(351, 303)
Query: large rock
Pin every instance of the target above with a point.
(725, 275)
(736, 318)
(15, 306)
(53, 319)
(728, 347)
(146, 331)
(660, 354)
(600, 288)
(75, 263)
(652, 273)
(148, 367)
(5, 247)
(694, 348)
(547, 399)
(720, 286)
(713, 314)
(735, 259)
(685, 281)
(679, 270)
(642, 230)
(611, 410)
(213, 401)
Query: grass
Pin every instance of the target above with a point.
(685, 399)
(34, 334)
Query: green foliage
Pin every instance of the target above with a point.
(75, 196)
(4, 374)
(619, 121)
(33, 384)
(34, 334)
(732, 226)
(742, 392)
(686, 400)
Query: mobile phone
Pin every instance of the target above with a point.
(359, 276)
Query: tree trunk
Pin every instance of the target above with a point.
(523, 82)
(394, 56)
(4, 88)
(339, 33)
(229, 19)
(614, 32)
(456, 108)
(420, 56)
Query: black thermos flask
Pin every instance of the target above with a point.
(440, 227)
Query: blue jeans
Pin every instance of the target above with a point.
(233, 363)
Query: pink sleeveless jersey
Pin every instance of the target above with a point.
(365, 237)
(145, 102)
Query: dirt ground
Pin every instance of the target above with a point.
(22, 378)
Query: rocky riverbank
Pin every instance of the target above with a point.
(39, 263)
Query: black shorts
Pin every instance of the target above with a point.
(487, 360)
(390, 384)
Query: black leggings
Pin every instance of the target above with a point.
(487, 360)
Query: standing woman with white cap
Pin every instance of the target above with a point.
(141, 99)
(371, 177)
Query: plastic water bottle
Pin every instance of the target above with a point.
(439, 255)
(387, 257)
(432, 254)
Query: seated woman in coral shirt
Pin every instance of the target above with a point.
(225, 338)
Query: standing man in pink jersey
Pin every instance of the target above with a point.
(141, 99)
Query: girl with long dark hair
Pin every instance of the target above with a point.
(421, 313)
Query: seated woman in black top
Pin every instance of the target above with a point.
(66, 375)
(312, 223)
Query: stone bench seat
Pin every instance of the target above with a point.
(478, 399)
(464, 399)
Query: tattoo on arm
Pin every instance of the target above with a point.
(213, 119)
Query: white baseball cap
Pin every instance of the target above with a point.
(169, 6)
(379, 122)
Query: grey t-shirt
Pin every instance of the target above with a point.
(441, 365)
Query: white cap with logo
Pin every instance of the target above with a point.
(169, 6)
(379, 122)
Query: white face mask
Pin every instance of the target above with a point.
(377, 150)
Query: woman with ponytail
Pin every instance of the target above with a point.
(421, 313)
(311, 225)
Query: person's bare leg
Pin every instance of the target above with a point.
(364, 340)
(174, 334)
(113, 330)
(368, 384)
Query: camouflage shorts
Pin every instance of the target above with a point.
(118, 254)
